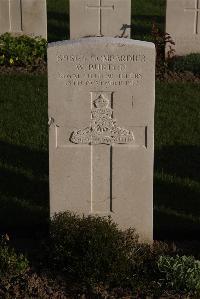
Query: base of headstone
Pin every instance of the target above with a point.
(28, 17)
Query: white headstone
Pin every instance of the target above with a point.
(101, 111)
(183, 24)
(100, 18)
(23, 17)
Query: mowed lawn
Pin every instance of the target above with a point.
(24, 195)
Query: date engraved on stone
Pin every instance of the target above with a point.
(103, 127)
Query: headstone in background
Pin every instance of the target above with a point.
(100, 18)
(23, 17)
(183, 24)
(10, 16)
(101, 107)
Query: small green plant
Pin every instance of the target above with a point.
(94, 251)
(22, 50)
(181, 273)
(11, 263)
(161, 40)
(90, 249)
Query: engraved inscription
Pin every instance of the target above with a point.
(100, 79)
(101, 71)
(133, 58)
(103, 128)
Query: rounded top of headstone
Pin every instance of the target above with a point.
(103, 40)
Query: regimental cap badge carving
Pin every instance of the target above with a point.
(103, 128)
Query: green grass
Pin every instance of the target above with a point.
(23, 151)
(24, 197)
(145, 13)
(177, 161)
(189, 63)
(58, 20)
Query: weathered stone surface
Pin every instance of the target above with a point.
(34, 17)
(4, 16)
(183, 24)
(101, 110)
(23, 17)
(10, 16)
(100, 18)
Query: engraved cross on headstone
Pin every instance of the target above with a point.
(100, 8)
(102, 135)
(196, 10)
(15, 15)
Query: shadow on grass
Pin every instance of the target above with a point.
(24, 195)
(24, 192)
(176, 212)
(149, 18)
(177, 193)
(180, 160)
(58, 26)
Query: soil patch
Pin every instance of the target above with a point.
(38, 69)
(32, 285)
